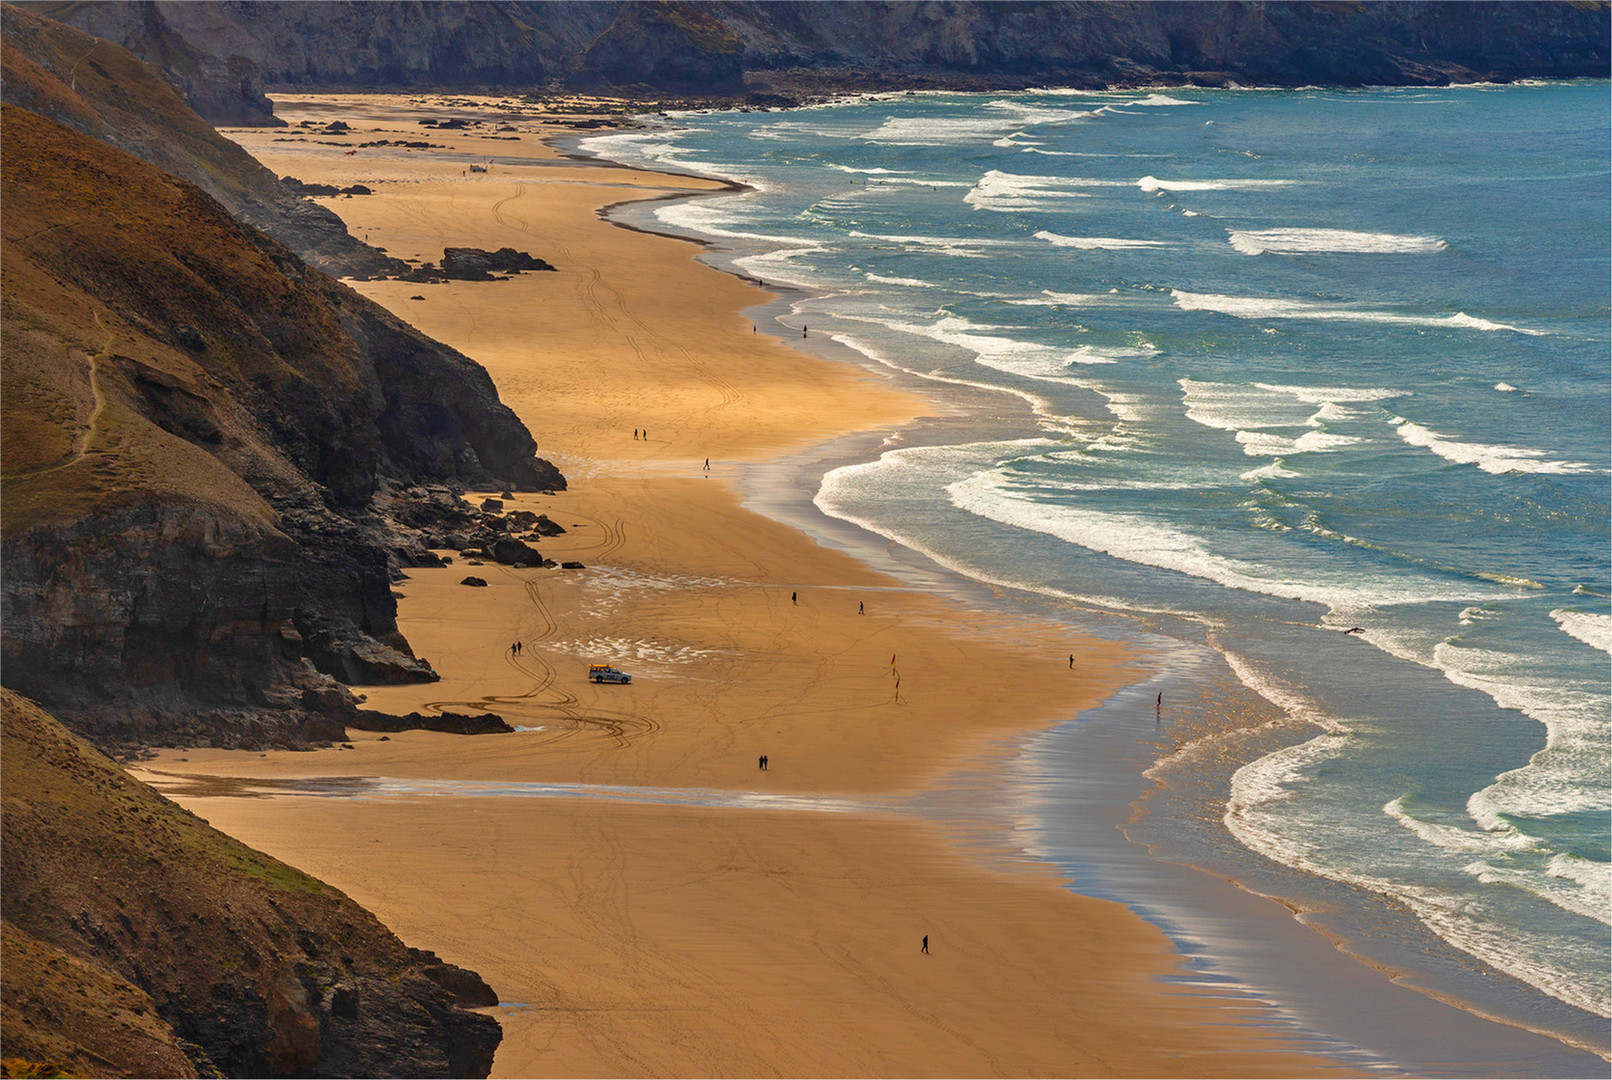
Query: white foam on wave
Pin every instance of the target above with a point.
(1505, 388)
(1260, 814)
(1252, 410)
(1255, 816)
(870, 172)
(1591, 627)
(778, 267)
(994, 121)
(719, 220)
(1028, 359)
(1045, 415)
(1455, 839)
(1048, 298)
(911, 283)
(1489, 457)
(1096, 243)
(937, 131)
(1461, 318)
(1155, 101)
(1571, 883)
(1330, 241)
(1264, 307)
(1153, 185)
(1155, 541)
(1004, 192)
(1268, 444)
(956, 246)
(1276, 470)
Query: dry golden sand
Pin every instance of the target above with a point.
(642, 937)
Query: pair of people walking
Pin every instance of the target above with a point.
(761, 763)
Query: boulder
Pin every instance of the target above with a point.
(474, 581)
(510, 551)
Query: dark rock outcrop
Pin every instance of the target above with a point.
(473, 264)
(451, 722)
(141, 942)
(196, 426)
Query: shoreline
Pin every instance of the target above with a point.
(1314, 903)
(429, 753)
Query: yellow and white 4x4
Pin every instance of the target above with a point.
(603, 673)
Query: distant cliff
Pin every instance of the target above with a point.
(196, 426)
(729, 48)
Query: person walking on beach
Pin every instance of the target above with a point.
(761, 762)
(707, 464)
(635, 434)
(1071, 661)
(794, 598)
(926, 945)
(860, 608)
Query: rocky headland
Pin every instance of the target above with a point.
(213, 458)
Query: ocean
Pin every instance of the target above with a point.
(1306, 390)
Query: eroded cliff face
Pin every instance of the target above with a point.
(139, 941)
(195, 426)
(224, 90)
(728, 47)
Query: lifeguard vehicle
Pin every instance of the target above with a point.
(603, 673)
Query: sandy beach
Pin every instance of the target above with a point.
(644, 898)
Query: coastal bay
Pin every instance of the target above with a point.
(781, 935)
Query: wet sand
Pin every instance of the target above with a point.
(756, 936)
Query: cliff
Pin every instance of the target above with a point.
(727, 48)
(195, 427)
(138, 941)
(100, 89)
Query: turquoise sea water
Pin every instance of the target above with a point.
(1259, 368)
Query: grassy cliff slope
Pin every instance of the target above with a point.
(139, 941)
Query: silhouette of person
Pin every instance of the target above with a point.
(802, 331)
(926, 943)
(518, 648)
(860, 608)
(1159, 704)
(707, 464)
(1071, 661)
(794, 598)
(635, 433)
(761, 762)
